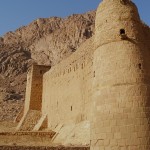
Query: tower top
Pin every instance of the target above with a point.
(116, 17)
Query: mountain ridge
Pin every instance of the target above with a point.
(53, 39)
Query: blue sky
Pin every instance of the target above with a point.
(16, 13)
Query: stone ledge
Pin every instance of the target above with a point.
(39, 134)
(42, 148)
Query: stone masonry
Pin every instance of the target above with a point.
(103, 88)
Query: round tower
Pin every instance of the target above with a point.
(121, 86)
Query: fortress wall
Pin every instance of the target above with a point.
(107, 83)
(121, 96)
(67, 88)
(34, 87)
(121, 85)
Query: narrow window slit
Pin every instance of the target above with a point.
(94, 73)
(140, 66)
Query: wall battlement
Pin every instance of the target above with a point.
(100, 94)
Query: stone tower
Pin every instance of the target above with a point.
(34, 91)
(121, 87)
(35, 87)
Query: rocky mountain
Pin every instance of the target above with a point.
(45, 41)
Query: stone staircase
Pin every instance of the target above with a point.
(42, 123)
(30, 120)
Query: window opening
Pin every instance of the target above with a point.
(122, 31)
(94, 73)
(123, 34)
(140, 66)
(71, 108)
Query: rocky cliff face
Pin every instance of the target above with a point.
(44, 41)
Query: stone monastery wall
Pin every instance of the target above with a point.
(67, 88)
(103, 89)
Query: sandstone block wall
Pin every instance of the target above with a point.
(122, 75)
(121, 96)
(119, 16)
(34, 89)
(67, 89)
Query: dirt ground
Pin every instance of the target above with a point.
(7, 126)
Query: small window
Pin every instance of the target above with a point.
(71, 108)
(41, 71)
(140, 66)
(124, 2)
(122, 31)
(94, 73)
